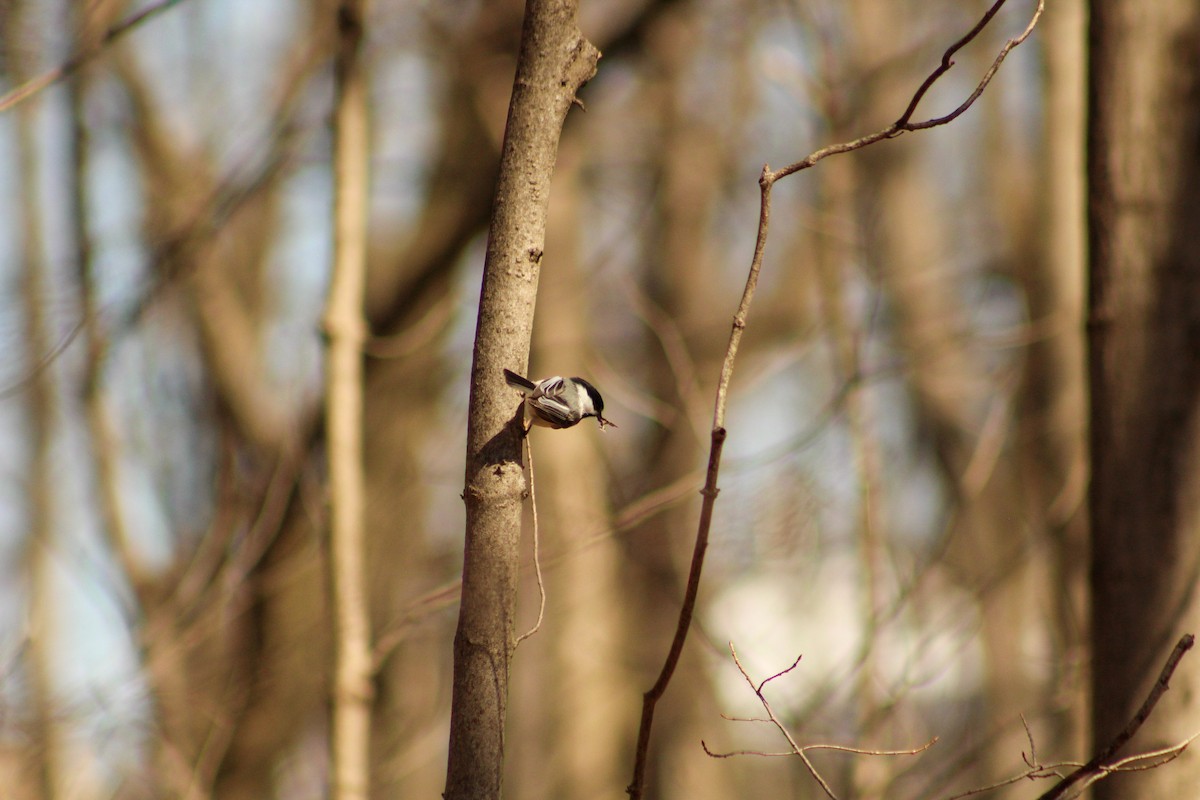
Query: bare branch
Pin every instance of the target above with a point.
(797, 749)
(1032, 773)
(744, 719)
(947, 62)
(1099, 767)
(860, 751)
(865, 751)
(1102, 766)
(987, 76)
(766, 181)
(904, 124)
(796, 663)
(732, 753)
(1156, 757)
(1031, 758)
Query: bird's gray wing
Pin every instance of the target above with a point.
(553, 411)
(548, 402)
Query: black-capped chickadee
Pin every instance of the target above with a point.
(559, 402)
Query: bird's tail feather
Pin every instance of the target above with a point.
(517, 382)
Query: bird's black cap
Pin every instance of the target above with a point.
(597, 400)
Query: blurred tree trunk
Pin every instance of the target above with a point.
(961, 402)
(554, 62)
(231, 631)
(89, 21)
(677, 299)
(835, 254)
(987, 548)
(574, 676)
(47, 732)
(1052, 399)
(1144, 326)
(411, 298)
(353, 661)
(961, 409)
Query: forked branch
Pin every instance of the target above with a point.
(1103, 764)
(766, 181)
(797, 749)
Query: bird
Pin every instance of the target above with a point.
(558, 402)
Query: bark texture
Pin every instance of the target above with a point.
(555, 60)
(1144, 328)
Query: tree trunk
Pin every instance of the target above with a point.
(555, 60)
(46, 727)
(1052, 398)
(1144, 329)
(346, 329)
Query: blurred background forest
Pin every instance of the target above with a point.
(904, 481)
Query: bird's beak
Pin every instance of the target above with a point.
(604, 422)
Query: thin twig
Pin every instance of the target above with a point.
(650, 699)
(732, 753)
(866, 751)
(797, 749)
(758, 689)
(1038, 771)
(1164, 755)
(1099, 766)
(744, 719)
(766, 181)
(1030, 759)
(904, 123)
(947, 62)
(537, 556)
(860, 751)
(1033, 773)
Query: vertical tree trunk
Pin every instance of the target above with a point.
(554, 61)
(679, 281)
(1144, 328)
(954, 392)
(1052, 398)
(41, 403)
(352, 696)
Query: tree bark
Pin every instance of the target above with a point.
(1144, 333)
(554, 61)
